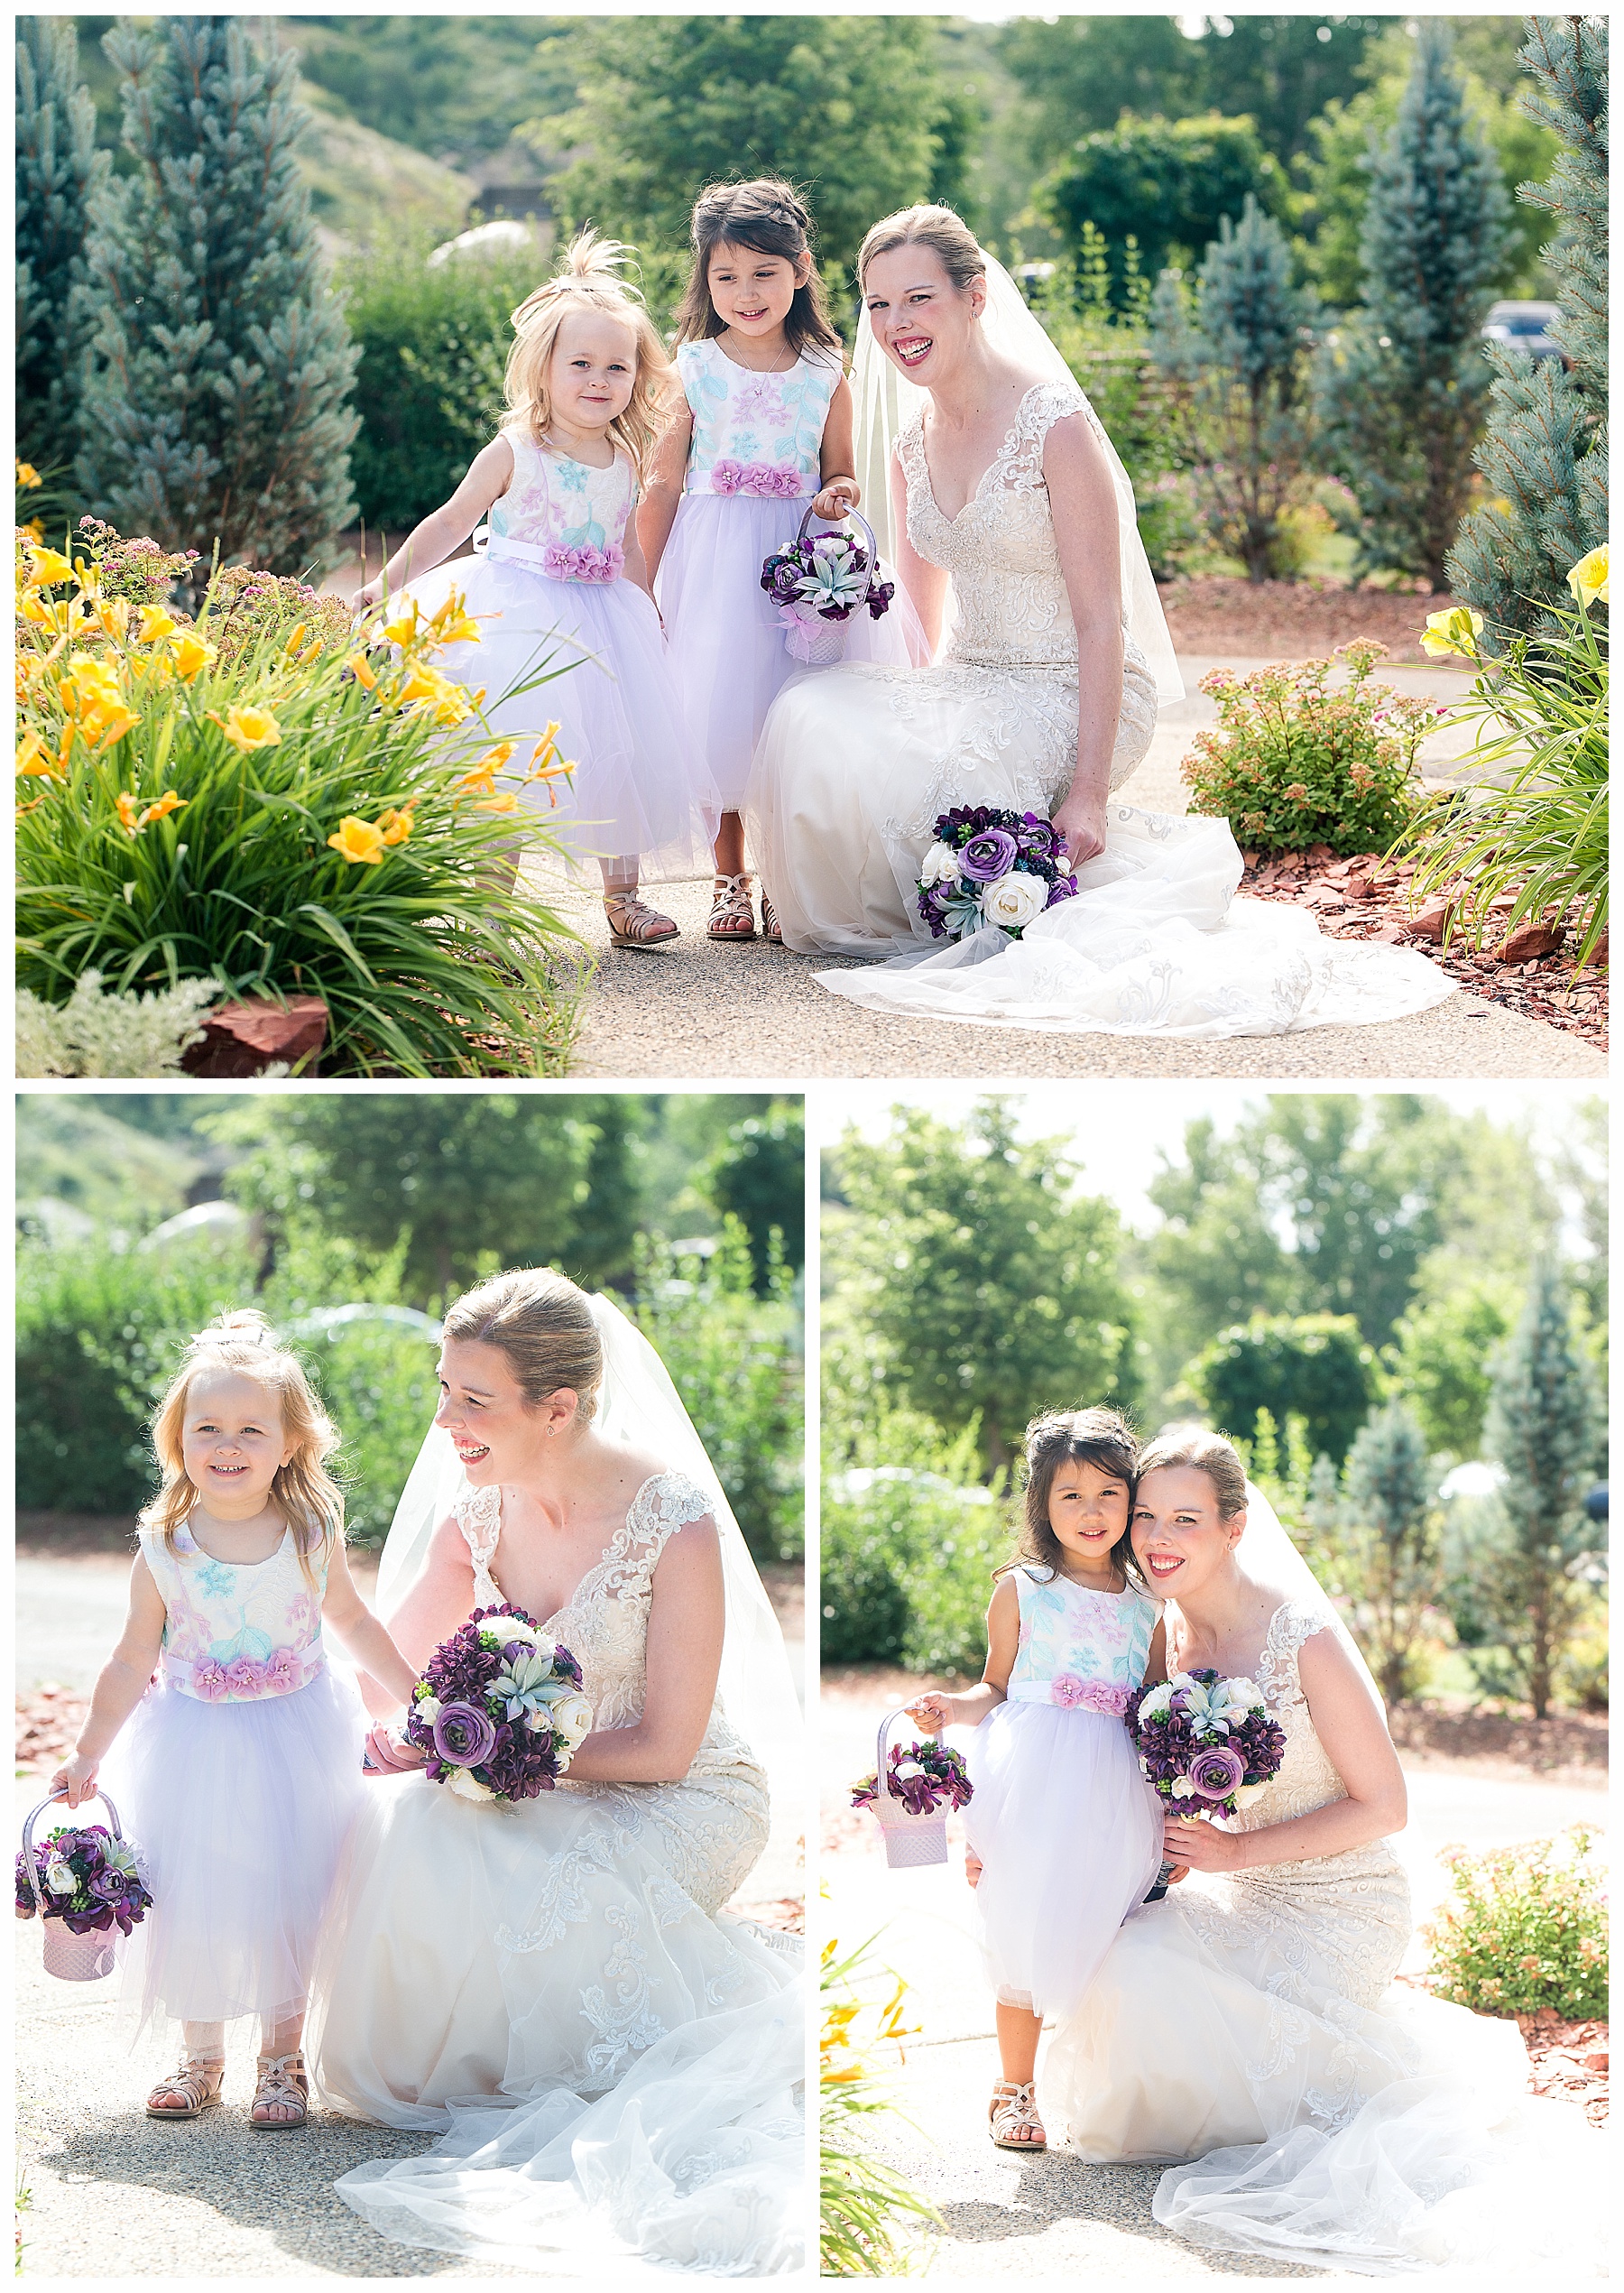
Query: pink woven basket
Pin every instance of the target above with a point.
(821, 642)
(910, 1841)
(71, 1958)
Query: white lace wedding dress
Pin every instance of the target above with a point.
(855, 764)
(1248, 2024)
(493, 1969)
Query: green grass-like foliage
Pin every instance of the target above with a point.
(1295, 762)
(1542, 838)
(863, 2203)
(430, 958)
(1525, 1929)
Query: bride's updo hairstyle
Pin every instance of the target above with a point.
(1201, 1451)
(951, 240)
(541, 1324)
(1094, 1436)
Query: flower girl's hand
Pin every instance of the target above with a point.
(365, 598)
(841, 494)
(77, 1777)
(933, 1712)
(392, 1754)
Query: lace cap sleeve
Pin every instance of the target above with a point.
(1292, 1623)
(479, 1517)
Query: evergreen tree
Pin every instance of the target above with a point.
(1393, 1541)
(1236, 372)
(1401, 390)
(1546, 452)
(1542, 1429)
(59, 169)
(214, 405)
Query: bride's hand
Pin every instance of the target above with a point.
(1082, 825)
(1201, 1846)
(392, 1754)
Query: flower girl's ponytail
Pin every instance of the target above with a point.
(588, 279)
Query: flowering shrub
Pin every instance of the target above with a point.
(279, 810)
(864, 2204)
(1295, 762)
(1523, 1929)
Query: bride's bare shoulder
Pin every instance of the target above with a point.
(624, 1471)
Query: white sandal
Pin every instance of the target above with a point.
(197, 2083)
(282, 2080)
(1012, 2112)
(730, 904)
(632, 923)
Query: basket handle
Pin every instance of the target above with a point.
(853, 517)
(885, 1726)
(60, 1792)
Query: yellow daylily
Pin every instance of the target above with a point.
(1587, 579)
(35, 531)
(191, 655)
(167, 803)
(127, 815)
(31, 606)
(102, 726)
(247, 728)
(301, 629)
(506, 802)
(1454, 632)
(156, 624)
(27, 476)
(35, 760)
(480, 781)
(88, 577)
(396, 826)
(405, 630)
(360, 670)
(358, 841)
(113, 618)
(89, 684)
(47, 569)
(453, 625)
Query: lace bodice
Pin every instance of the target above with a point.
(573, 511)
(1078, 1648)
(604, 1621)
(759, 434)
(236, 1633)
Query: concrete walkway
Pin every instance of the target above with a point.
(695, 1009)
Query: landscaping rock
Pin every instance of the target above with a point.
(1429, 919)
(245, 1038)
(1529, 942)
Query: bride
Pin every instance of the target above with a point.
(1014, 537)
(552, 1984)
(1247, 2022)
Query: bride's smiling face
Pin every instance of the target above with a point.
(921, 321)
(1180, 1539)
(497, 1434)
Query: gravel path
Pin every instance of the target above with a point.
(695, 1009)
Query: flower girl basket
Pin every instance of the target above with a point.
(910, 1840)
(819, 643)
(75, 1959)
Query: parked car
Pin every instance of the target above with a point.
(1525, 327)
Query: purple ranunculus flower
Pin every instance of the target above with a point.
(462, 1736)
(1062, 888)
(988, 857)
(110, 1885)
(1214, 1773)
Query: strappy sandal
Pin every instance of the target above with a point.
(772, 932)
(1012, 2112)
(198, 2084)
(282, 2080)
(632, 923)
(730, 905)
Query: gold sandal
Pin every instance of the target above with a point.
(198, 2082)
(730, 904)
(1012, 2112)
(282, 2081)
(632, 923)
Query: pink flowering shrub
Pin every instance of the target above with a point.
(1523, 1929)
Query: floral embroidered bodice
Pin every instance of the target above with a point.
(573, 513)
(237, 1632)
(754, 433)
(1078, 1647)
(605, 1623)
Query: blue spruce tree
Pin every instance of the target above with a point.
(58, 169)
(1401, 391)
(215, 407)
(1546, 452)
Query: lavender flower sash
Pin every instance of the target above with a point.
(1072, 1693)
(559, 560)
(246, 1679)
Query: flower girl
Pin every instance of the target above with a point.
(1068, 1832)
(766, 429)
(560, 582)
(241, 1770)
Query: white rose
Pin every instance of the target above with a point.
(58, 1878)
(1245, 1793)
(1184, 1788)
(1244, 1694)
(940, 865)
(467, 1786)
(1160, 1700)
(572, 1719)
(1015, 901)
(427, 1710)
(514, 1628)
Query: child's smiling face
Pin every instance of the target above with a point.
(233, 1442)
(753, 292)
(1088, 1511)
(592, 370)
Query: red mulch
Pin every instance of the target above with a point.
(1369, 898)
(1292, 620)
(1570, 1743)
(1568, 2061)
(49, 1719)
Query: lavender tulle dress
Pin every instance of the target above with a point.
(237, 1777)
(752, 469)
(1069, 1831)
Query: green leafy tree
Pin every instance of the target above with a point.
(758, 1175)
(1545, 456)
(455, 87)
(1402, 386)
(60, 171)
(1393, 1535)
(984, 1287)
(1440, 1355)
(1165, 183)
(1312, 1366)
(1530, 1583)
(668, 104)
(1237, 367)
(214, 410)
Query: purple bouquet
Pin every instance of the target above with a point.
(823, 579)
(89, 1880)
(498, 1710)
(989, 867)
(1206, 1744)
(923, 1776)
